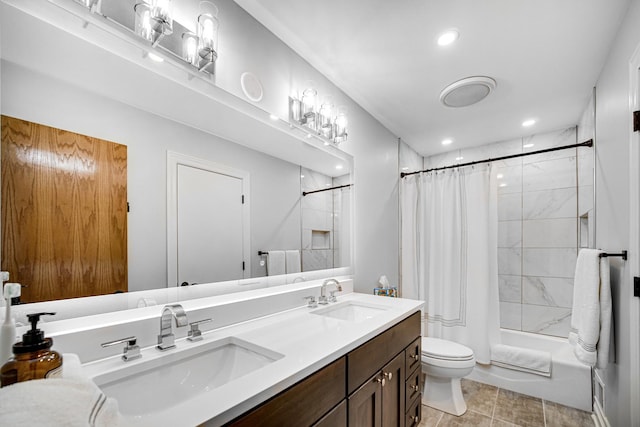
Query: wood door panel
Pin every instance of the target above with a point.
(64, 212)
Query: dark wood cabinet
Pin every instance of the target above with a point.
(374, 385)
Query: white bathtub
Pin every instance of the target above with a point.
(570, 382)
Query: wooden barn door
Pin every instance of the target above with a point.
(64, 212)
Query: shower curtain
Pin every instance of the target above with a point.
(449, 254)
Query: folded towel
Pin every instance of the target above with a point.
(521, 359)
(293, 261)
(276, 263)
(57, 402)
(591, 314)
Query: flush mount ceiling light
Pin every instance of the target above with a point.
(467, 91)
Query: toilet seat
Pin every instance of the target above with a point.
(446, 354)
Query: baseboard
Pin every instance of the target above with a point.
(599, 418)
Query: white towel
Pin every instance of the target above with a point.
(293, 261)
(57, 402)
(521, 359)
(591, 314)
(276, 263)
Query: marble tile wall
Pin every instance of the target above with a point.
(317, 222)
(540, 198)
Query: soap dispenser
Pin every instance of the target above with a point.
(32, 358)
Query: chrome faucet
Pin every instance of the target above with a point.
(323, 291)
(166, 339)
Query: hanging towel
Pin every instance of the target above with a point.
(275, 263)
(521, 359)
(591, 314)
(292, 261)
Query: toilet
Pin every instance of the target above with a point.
(445, 363)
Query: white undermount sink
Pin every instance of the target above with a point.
(147, 387)
(353, 311)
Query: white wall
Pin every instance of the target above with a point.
(612, 206)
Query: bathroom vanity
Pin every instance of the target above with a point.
(353, 362)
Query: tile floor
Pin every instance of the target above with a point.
(492, 406)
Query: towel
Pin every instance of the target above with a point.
(591, 314)
(521, 359)
(57, 402)
(275, 263)
(293, 261)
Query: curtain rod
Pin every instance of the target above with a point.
(588, 143)
(304, 193)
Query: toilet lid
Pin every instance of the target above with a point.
(443, 349)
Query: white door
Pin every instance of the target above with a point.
(209, 226)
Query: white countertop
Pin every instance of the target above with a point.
(307, 341)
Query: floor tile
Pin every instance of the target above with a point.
(468, 419)
(519, 409)
(479, 397)
(430, 417)
(500, 423)
(563, 416)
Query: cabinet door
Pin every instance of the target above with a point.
(393, 392)
(336, 418)
(365, 405)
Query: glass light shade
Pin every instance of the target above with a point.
(341, 123)
(208, 33)
(143, 26)
(190, 48)
(325, 118)
(309, 100)
(88, 3)
(161, 12)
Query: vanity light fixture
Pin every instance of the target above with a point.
(89, 4)
(324, 120)
(208, 25)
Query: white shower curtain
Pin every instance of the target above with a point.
(450, 254)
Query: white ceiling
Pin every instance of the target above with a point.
(545, 55)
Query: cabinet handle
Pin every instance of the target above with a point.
(415, 388)
(415, 356)
(415, 418)
(388, 375)
(381, 381)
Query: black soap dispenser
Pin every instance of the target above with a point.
(32, 358)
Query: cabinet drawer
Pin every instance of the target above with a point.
(414, 387)
(302, 404)
(414, 414)
(371, 356)
(413, 355)
(336, 418)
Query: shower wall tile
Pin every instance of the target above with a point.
(549, 140)
(561, 203)
(505, 148)
(549, 175)
(509, 234)
(585, 199)
(444, 159)
(317, 259)
(511, 315)
(585, 166)
(317, 220)
(550, 233)
(509, 261)
(549, 291)
(549, 262)
(546, 320)
(510, 288)
(509, 179)
(509, 207)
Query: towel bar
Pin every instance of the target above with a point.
(623, 254)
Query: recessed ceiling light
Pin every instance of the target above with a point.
(529, 122)
(467, 91)
(503, 185)
(528, 145)
(301, 176)
(500, 176)
(339, 167)
(459, 158)
(155, 57)
(405, 168)
(448, 37)
(447, 141)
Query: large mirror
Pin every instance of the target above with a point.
(113, 93)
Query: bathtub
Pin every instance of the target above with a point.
(570, 382)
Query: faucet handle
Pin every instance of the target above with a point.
(195, 334)
(312, 301)
(131, 349)
(332, 297)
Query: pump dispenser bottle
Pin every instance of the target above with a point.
(32, 358)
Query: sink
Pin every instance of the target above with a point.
(146, 387)
(353, 311)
